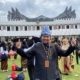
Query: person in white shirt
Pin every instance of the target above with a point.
(4, 58)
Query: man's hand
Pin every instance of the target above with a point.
(73, 42)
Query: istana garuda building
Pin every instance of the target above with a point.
(16, 24)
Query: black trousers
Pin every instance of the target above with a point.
(77, 57)
(31, 71)
(58, 79)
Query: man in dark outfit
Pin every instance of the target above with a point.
(30, 62)
(30, 67)
(46, 56)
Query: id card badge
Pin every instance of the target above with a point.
(46, 63)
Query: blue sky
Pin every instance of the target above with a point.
(34, 8)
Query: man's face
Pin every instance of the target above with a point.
(46, 39)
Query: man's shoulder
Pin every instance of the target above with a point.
(38, 43)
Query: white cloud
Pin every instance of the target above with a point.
(11, 1)
(2, 13)
(35, 8)
(38, 2)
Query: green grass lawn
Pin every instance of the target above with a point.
(75, 75)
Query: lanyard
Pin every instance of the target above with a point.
(48, 52)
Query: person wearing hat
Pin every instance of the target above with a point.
(46, 56)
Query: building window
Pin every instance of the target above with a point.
(59, 27)
(25, 28)
(21, 28)
(12, 28)
(50, 27)
(33, 27)
(79, 26)
(67, 26)
(72, 27)
(4, 27)
(29, 28)
(55, 27)
(75, 26)
(38, 28)
(8, 28)
(63, 27)
(0, 27)
(17, 28)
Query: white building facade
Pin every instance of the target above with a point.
(24, 28)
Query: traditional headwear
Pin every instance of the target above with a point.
(46, 31)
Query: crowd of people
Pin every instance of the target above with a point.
(35, 63)
(7, 49)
